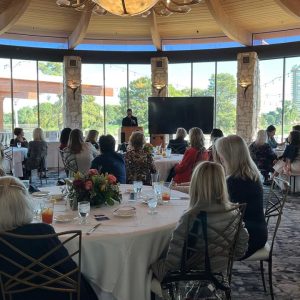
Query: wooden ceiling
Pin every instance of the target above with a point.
(237, 20)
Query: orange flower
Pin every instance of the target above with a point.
(93, 172)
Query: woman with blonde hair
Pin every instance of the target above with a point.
(262, 154)
(37, 152)
(179, 145)
(81, 152)
(208, 193)
(244, 186)
(16, 217)
(139, 163)
(191, 157)
(92, 138)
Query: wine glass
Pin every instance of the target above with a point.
(152, 203)
(19, 145)
(84, 209)
(157, 186)
(137, 187)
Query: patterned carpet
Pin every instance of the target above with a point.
(246, 279)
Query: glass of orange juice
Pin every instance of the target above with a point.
(47, 212)
(166, 192)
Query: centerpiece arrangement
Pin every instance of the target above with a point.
(96, 188)
(148, 148)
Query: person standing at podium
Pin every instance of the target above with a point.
(130, 120)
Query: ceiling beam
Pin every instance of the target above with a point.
(292, 7)
(156, 39)
(233, 30)
(80, 30)
(12, 14)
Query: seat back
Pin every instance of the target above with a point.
(192, 257)
(69, 161)
(274, 208)
(8, 157)
(21, 273)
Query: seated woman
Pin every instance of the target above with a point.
(208, 193)
(139, 163)
(37, 152)
(83, 153)
(271, 130)
(215, 134)
(109, 161)
(244, 186)
(262, 154)
(92, 137)
(16, 217)
(64, 138)
(290, 162)
(191, 157)
(179, 145)
(20, 139)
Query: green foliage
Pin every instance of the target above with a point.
(51, 68)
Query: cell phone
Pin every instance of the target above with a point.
(101, 218)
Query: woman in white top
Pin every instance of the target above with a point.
(83, 152)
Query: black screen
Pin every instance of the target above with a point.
(166, 114)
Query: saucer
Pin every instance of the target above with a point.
(40, 194)
(125, 211)
(64, 218)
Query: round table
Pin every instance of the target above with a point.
(116, 258)
(164, 165)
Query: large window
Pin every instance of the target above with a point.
(271, 87)
(179, 76)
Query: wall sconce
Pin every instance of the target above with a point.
(74, 85)
(159, 86)
(245, 85)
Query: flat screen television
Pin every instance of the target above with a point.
(166, 114)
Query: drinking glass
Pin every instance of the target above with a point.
(137, 187)
(152, 203)
(157, 186)
(19, 145)
(154, 177)
(166, 192)
(47, 212)
(84, 209)
(37, 206)
(168, 152)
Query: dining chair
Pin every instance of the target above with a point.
(274, 208)
(9, 156)
(69, 161)
(192, 257)
(40, 169)
(21, 272)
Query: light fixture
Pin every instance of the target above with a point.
(131, 7)
(74, 85)
(245, 85)
(159, 86)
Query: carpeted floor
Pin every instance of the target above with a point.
(246, 279)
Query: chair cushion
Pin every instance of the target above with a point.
(156, 287)
(261, 254)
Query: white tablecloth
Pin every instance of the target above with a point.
(117, 256)
(164, 165)
(19, 154)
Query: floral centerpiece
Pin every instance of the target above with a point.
(96, 188)
(148, 148)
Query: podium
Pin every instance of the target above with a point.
(127, 131)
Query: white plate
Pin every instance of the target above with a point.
(40, 194)
(125, 212)
(57, 197)
(64, 218)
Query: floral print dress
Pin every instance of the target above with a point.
(139, 166)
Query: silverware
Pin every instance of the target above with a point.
(93, 229)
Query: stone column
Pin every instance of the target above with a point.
(72, 103)
(247, 95)
(159, 78)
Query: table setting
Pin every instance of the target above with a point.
(120, 241)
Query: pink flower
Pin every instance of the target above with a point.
(88, 185)
(93, 172)
(111, 179)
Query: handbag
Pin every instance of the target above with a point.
(193, 284)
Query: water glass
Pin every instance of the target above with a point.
(154, 177)
(84, 209)
(19, 145)
(137, 187)
(168, 152)
(157, 186)
(166, 192)
(152, 203)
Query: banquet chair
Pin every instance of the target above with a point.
(40, 169)
(8, 156)
(22, 274)
(276, 200)
(70, 163)
(191, 256)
